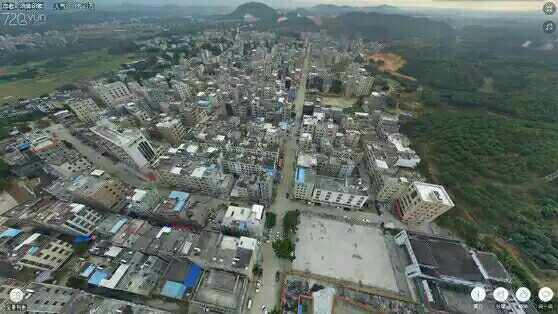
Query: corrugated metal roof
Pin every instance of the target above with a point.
(173, 290)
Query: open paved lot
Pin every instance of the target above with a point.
(343, 251)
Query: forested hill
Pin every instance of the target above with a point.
(508, 71)
(263, 12)
(489, 134)
(378, 26)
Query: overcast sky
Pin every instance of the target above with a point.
(475, 4)
(501, 5)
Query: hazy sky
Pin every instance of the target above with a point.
(501, 5)
(475, 4)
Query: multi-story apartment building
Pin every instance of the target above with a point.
(128, 145)
(70, 218)
(149, 204)
(50, 149)
(86, 110)
(336, 192)
(38, 251)
(243, 220)
(171, 130)
(183, 90)
(23, 163)
(254, 188)
(387, 125)
(62, 160)
(245, 161)
(304, 183)
(195, 176)
(422, 203)
(142, 202)
(113, 93)
(72, 168)
(335, 167)
(358, 85)
(99, 191)
(54, 299)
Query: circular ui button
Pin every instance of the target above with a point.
(500, 294)
(549, 27)
(16, 295)
(549, 8)
(523, 294)
(546, 294)
(478, 294)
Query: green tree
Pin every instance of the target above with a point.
(257, 270)
(291, 221)
(284, 249)
(4, 175)
(270, 220)
(76, 283)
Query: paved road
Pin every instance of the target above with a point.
(117, 169)
(269, 292)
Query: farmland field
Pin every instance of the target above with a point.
(49, 75)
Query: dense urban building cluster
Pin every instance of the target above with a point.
(156, 195)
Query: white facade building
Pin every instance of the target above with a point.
(422, 203)
(128, 145)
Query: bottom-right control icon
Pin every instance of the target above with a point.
(549, 27)
(546, 294)
(523, 294)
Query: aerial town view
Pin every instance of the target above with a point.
(278, 157)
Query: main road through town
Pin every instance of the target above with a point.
(269, 292)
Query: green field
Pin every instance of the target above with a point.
(70, 70)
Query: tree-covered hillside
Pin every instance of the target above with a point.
(387, 27)
(495, 166)
(490, 136)
(489, 68)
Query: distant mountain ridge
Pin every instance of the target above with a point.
(261, 11)
(371, 23)
(333, 9)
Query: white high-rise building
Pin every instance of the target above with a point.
(128, 145)
(422, 202)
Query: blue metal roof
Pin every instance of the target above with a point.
(97, 277)
(193, 275)
(271, 172)
(33, 250)
(23, 146)
(118, 225)
(10, 233)
(88, 271)
(181, 199)
(173, 290)
(299, 175)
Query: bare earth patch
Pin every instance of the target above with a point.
(390, 62)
